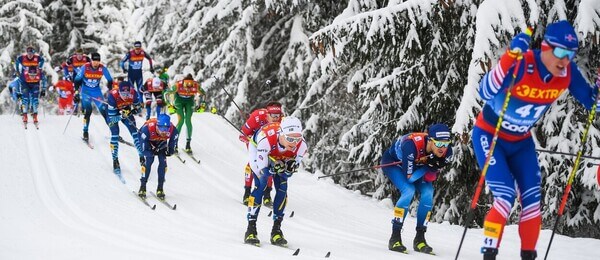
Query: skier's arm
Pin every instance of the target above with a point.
(409, 154)
(79, 78)
(584, 92)
(122, 62)
(259, 154)
(149, 61)
(41, 61)
(174, 139)
(495, 80)
(145, 141)
(108, 78)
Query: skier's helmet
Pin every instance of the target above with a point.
(125, 89)
(163, 124)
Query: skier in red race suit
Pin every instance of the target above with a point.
(257, 119)
(541, 77)
(65, 91)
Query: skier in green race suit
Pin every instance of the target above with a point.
(185, 92)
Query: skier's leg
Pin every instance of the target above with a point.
(501, 183)
(527, 174)
(280, 195)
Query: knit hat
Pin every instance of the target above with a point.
(561, 34)
(290, 125)
(439, 132)
(137, 44)
(96, 56)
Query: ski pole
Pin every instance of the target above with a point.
(249, 138)
(68, 121)
(567, 154)
(486, 165)
(230, 97)
(357, 170)
(565, 196)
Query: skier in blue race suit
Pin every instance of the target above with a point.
(12, 87)
(121, 105)
(542, 76)
(422, 155)
(88, 79)
(29, 70)
(158, 137)
(134, 71)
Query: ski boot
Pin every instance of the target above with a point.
(489, 253)
(86, 136)
(187, 149)
(528, 254)
(251, 236)
(160, 194)
(116, 165)
(267, 201)
(246, 195)
(276, 234)
(24, 118)
(142, 191)
(395, 243)
(419, 243)
(35, 119)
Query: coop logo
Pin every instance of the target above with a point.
(485, 145)
(536, 93)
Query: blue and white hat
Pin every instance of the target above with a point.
(439, 132)
(561, 34)
(290, 125)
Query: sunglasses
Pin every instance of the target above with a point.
(163, 129)
(292, 139)
(275, 115)
(440, 144)
(562, 52)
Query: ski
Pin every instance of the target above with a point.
(25, 125)
(121, 140)
(37, 125)
(164, 202)
(88, 143)
(179, 157)
(191, 155)
(152, 207)
(117, 172)
(271, 213)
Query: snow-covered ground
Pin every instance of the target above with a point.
(60, 200)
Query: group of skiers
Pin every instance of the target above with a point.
(517, 92)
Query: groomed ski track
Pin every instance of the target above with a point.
(60, 200)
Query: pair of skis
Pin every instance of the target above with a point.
(190, 154)
(295, 251)
(153, 206)
(36, 124)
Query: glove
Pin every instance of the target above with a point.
(291, 167)
(152, 70)
(76, 97)
(244, 138)
(10, 90)
(168, 153)
(69, 78)
(124, 70)
(436, 162)
(125, 113)
(279, 167)
(520, 44)
(43, 93)
(19, 95)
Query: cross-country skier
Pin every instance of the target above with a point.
(279, 150)
(135, 59)
(74, 64)
(88, 79)
(121, 105)
(257, 119)
(153, 87)
(185, 91)
(31, 77)
(65, 91)
(541, 77)
(422, 156)
(158, 137)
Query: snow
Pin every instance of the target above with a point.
(60, 200)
